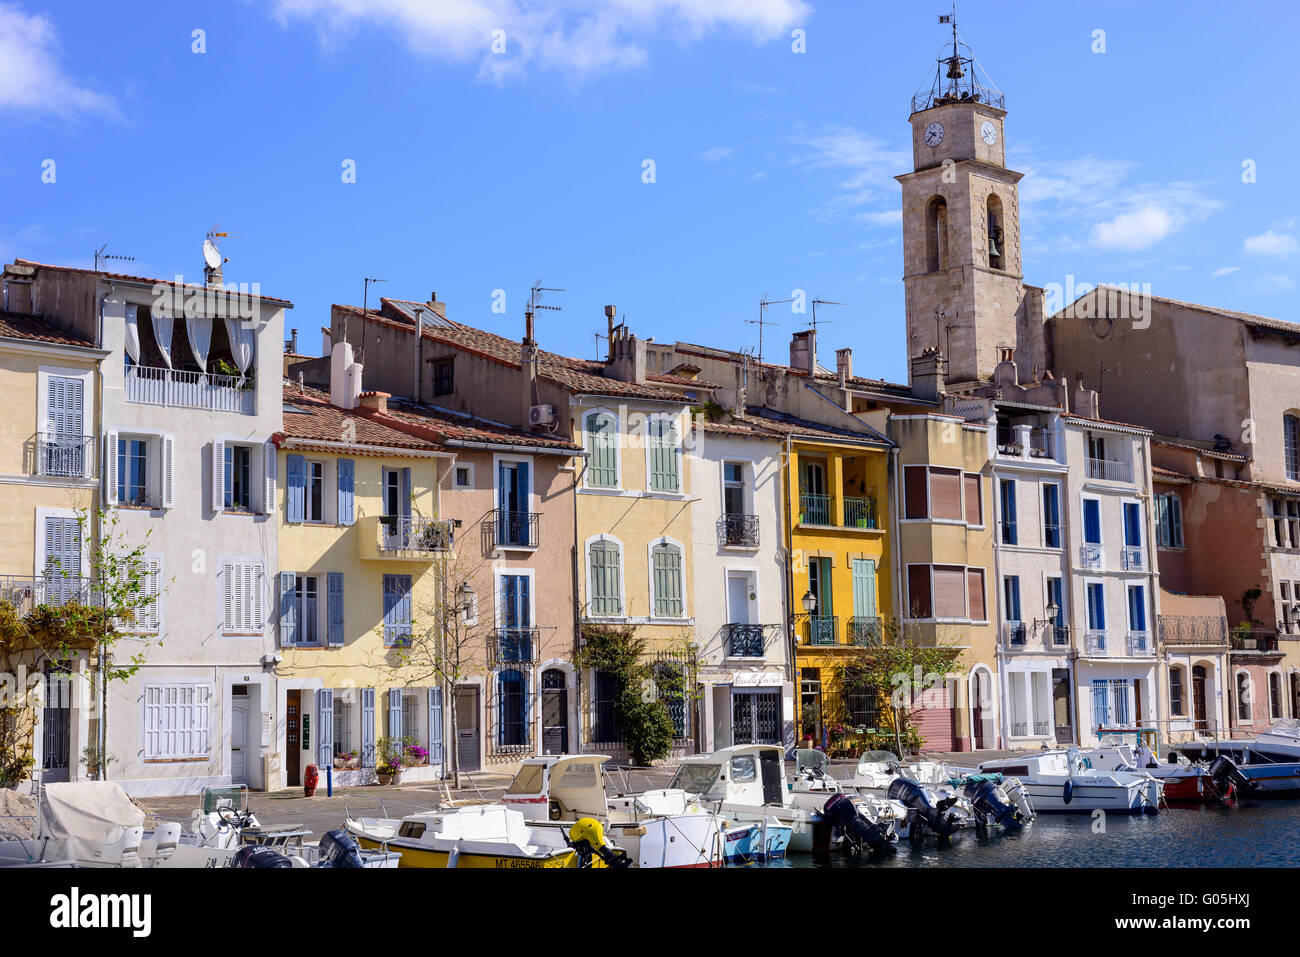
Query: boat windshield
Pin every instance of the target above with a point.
(695, 777)
(1287, 726)
(878, 757)
(811, 758)
(528, 780)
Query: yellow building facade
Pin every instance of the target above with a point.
(49, 475)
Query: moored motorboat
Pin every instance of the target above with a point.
(1061, 782)
(1280, 744)
(1183, 781)
(1281, 779)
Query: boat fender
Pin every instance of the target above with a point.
(1067, 791)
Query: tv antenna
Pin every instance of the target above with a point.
(822, 302)
(101, 256)
(535, 298)
(762, 320)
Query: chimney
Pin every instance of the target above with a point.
(803, 351)
(627, 353)
(610, 313)
(345, 377)
(528, 363)
(844, 366)
(375, 401)
(437, 308)
(929, 372)
(292, 345)
(326, 337)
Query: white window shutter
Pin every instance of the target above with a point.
(268, 504)
(167, 471)
(227, 596)
(110, 468)
(218, 475)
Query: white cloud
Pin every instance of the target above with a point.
(716, 154)
(1270, 244)
(577, 37)
(863, 168)
(1276, 283)
(1224, 271)
(1137, 229)
(31, 77)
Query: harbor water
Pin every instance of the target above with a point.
(1264, 834)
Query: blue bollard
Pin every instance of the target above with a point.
(329, 780)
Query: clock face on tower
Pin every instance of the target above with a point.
(933, 135)
(989, 132)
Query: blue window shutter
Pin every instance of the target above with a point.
(288, 610)
(367, 727)
(346, 512)
(1101, 702)
(394, 712)
(525, 618)
(524, 488)
(325, 728)
(336, 609)
(1132, 524)
(1091, 521)
(1137, 609)
(296, 498)
(435, 725)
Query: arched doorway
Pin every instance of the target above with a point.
(1200, 719)
(555, 712)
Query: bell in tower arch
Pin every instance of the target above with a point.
(955, 72)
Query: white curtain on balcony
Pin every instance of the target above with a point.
(132, 333)
(162, 335)
(241, 343)
(199, 331)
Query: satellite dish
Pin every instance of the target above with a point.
(211, 255)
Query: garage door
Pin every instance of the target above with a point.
(937, 727)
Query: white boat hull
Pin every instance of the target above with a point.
(1135, 797)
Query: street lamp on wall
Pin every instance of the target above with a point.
(809, 602)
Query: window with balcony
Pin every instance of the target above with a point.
(195, 362)
(821, 620)
(1134, 553)
(62, 448)
(1176, 693)
(814, 495)
(1058, 634)
(1138, 638)
(1096, 637)
(1169, 520)
(1011, 609)
(737, 528)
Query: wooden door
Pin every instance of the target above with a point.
(555, 713)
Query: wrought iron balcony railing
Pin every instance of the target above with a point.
(1259, 641)
(517, 529)
(1110, 470)
(1193, 630)
(1059, 635)
(1014, 634)
(28, 592)
(1094, 643)
(416, 534)
(738, 531)
(1090, 556)
(744, 640)
(514, 646)
(820, 630)
(1133, 558)
(814, 509)
(1139, 644)
(148, 385)
(65, 456)
(859, 513)
(864, 631)
(1042, 729)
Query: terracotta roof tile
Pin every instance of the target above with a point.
(15, 325)
(456, 427)
(309, 416)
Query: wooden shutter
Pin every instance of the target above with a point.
(864, 588)
(394, 712)
(974, 498)
(945, 494)
(335, 608)
(405, 506)
(435, 725)
(219, 475)
(325, 727)
(663, 456)
(605, 597)
(297, 493)
(110, 468)
(288, 610)
(919, 604)
(667, 581)
(914, 482)
(368, 727)
(268, 468)
(601, 436)
(949, 591)
(975, 593)
(346, 479)
(166, 471)
(1175, 521)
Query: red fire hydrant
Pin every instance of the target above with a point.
(309, 779)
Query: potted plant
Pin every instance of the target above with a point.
(346, 760)
(416, 755)
(388, 773)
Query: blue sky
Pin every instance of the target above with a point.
(478, 171)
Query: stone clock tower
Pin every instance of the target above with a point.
(961, 225)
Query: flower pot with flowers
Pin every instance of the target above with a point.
(346, 761)
(415, 755)
(388, 773)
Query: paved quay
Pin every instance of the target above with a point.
(318, 814)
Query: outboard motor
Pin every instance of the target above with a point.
(1227, 779)
(915, 797)
(858, 830)
(587, 837)
(991, 803)
(1015, 790)
(339, 850)
(258, 857)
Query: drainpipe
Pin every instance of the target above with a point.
(103, 654)
(788, 604)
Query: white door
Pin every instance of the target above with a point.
(239, 740)
(738, 599)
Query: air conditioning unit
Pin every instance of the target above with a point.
(541, 415)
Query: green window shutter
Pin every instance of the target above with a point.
(601, 439)
(606, 601)
(668, 581)
(864, 588)
(663, 456)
